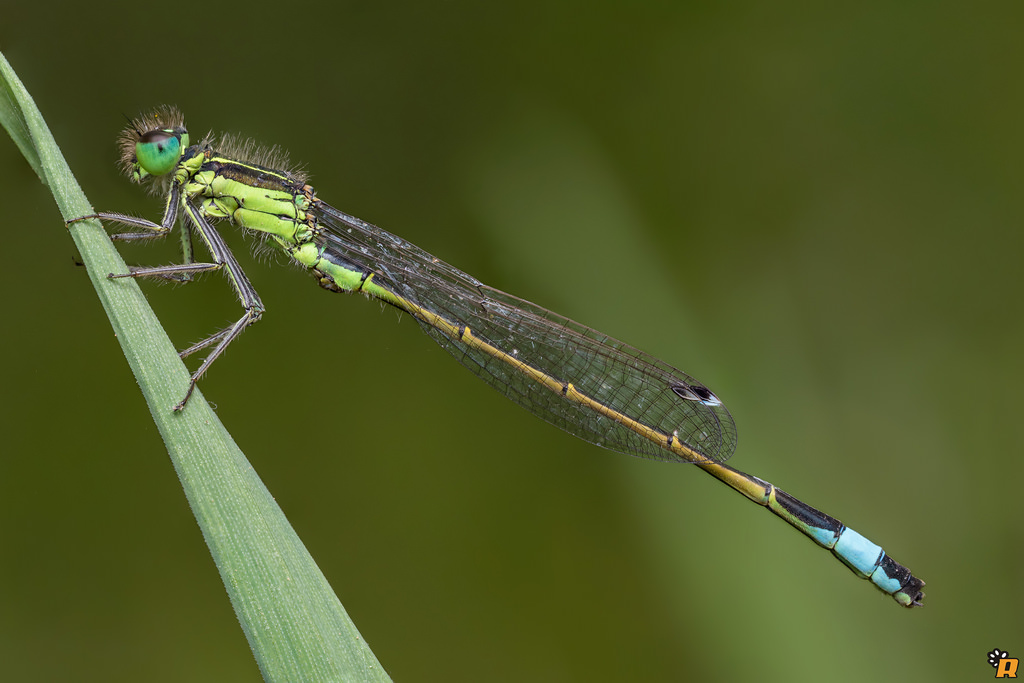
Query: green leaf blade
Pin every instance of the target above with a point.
(295, 624)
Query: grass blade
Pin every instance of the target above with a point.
(295, 624)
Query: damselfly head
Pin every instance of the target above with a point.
(152, 144)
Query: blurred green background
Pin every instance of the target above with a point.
(815, 211)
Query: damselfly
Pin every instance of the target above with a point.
(595, 387)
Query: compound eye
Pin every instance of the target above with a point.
(158, 151)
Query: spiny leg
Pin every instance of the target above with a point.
(247, 296)
(153, 231)
(223, 259)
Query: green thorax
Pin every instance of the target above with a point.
(253, 197)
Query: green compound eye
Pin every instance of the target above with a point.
(158, 151)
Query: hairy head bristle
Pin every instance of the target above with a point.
(164, 116)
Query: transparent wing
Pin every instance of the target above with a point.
(609, 371)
